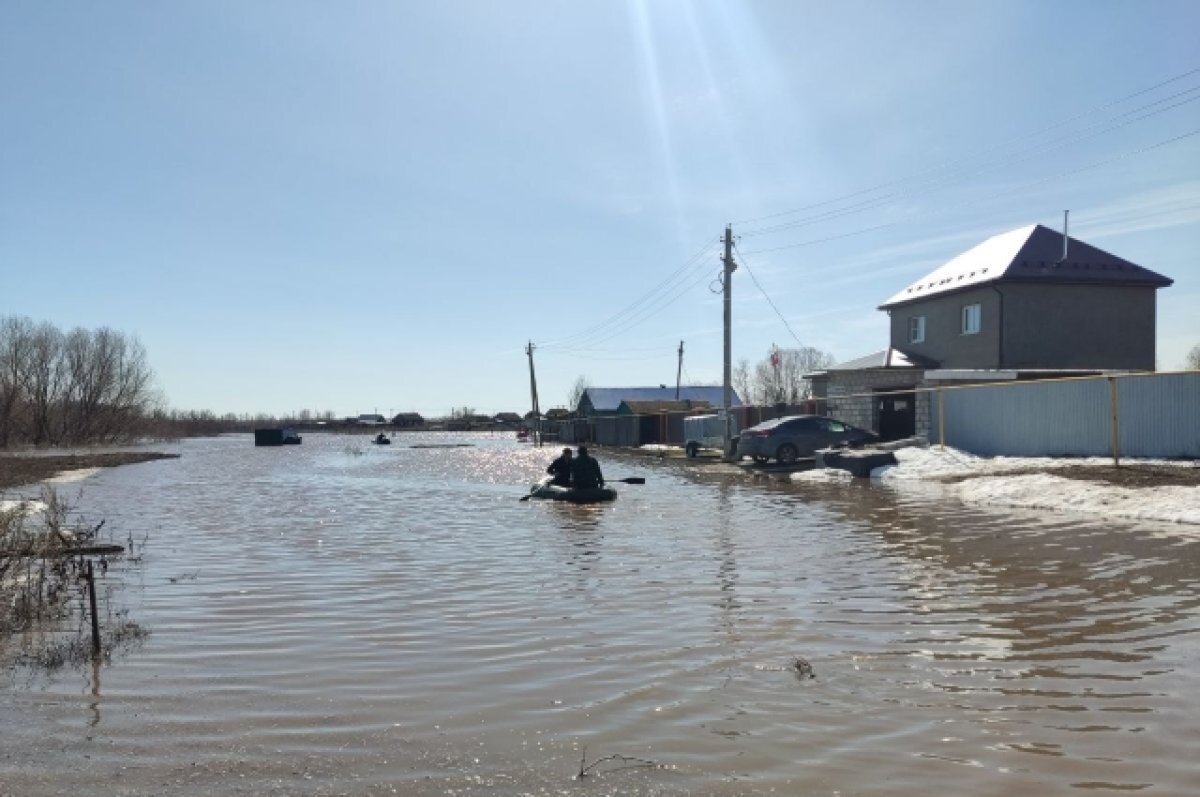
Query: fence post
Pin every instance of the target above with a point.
(1116, 428)
(90, 576)
(941, 418)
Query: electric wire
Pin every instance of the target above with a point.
(770, 301)
(940, 182)
(1014, 139)
(663, 286)
(968, 203)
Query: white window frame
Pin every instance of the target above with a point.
(916, 329)
(972, 318)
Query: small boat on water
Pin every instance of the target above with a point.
(552, 492)
(381, 440)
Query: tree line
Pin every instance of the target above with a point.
(74, 387)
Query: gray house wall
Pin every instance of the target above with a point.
(1036, 326)
(944, 341)
(1078, 326)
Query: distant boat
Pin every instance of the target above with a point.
(276, 437)
(380, 440)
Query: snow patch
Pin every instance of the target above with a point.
(991, 482)
(68, 476)
(823, 476)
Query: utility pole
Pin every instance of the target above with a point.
(727, 281)
(679, 371)
(537, 413)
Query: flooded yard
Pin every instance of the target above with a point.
(342, 618)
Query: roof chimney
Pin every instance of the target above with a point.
(1066, 214)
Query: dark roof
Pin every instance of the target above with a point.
(1028, 254)
(887, 358)
(646, 407)
(610, 398)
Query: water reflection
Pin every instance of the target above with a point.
(394, 618)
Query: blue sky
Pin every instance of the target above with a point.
(375, 205)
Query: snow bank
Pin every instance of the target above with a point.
(1046, 491)
(823, 476)
(991, 482)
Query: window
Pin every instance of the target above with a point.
(916, 329)
(971, 314)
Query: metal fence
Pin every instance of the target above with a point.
(1136, 415)
(630, 431)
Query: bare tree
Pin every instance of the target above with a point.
(1192, 363)
(16, 335)
(742, 381)
(43, 381)
(80, 387)
(577, 390)
(780, 377)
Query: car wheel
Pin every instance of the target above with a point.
(787, 454)
(692, 449)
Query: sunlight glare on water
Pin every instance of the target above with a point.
(343, 618)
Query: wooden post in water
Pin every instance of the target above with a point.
(1116, 427)
(90, 575)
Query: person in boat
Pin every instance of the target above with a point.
(585, 471)
(560, 469)
(381, 438)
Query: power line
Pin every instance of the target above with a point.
(968, 203)
(1014, 139)
(1016, 157)
(663, 286)
(761, 290)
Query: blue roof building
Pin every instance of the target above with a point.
(607, 400)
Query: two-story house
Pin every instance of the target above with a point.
(1022, 304)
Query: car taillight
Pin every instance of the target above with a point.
(758, 434)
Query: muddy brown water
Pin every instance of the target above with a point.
(343, 618)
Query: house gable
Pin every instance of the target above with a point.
(1013, 301)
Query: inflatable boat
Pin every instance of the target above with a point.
(553, 492)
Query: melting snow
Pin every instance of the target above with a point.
(992, 482)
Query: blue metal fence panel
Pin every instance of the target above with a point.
(1158, 416)
(1036, 419)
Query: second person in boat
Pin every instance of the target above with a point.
(585, 471)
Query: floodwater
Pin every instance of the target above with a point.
(343, 618)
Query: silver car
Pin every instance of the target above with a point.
(794, 436)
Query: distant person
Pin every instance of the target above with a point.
(585, 471)
(560, 469)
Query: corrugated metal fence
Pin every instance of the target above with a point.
(631, 431)
(1146, 415)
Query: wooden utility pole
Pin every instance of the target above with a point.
(537, 413)
(727, 282)
(679, 371)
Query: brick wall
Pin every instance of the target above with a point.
(860, 409)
